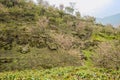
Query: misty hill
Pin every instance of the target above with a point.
(114, 20)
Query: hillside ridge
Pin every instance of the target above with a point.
(44, 37)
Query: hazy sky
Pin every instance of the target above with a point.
(97, 8)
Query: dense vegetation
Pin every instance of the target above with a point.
(35, 36)
(67, 73)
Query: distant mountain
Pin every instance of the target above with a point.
(114, 20)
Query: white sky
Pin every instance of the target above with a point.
(86, 7)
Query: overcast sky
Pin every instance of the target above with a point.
(97, 8)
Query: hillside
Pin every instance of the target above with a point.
(114, 20)
(39, 37)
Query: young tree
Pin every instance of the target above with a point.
(61, 6)
(69, 10)
(43, 3)
(78, 15)
(72, 4)
(89, 18)
(40, 1)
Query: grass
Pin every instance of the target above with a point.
(36, 58)
(104, 37)
(88, 55)
(66, 73)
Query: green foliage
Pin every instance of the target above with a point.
(67, 73)
(69, 10)
(78, 15)
(13, 3)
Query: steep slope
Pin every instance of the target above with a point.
(42, 37)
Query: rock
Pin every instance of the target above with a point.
(52, 46)
(24, 49)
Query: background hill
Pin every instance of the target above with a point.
(114, 20)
